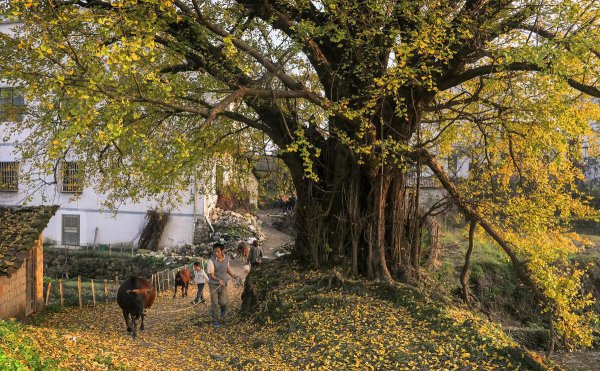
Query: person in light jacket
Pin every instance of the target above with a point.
(200, 278)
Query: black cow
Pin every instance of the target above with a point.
(135, 295)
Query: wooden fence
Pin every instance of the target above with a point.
(90, 291)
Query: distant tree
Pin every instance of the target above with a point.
(356, 94)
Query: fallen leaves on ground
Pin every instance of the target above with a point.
(328, 328)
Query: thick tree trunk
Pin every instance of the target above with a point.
(397, 216)
(355, 214)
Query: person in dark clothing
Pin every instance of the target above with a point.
(256, 253)
(291, 204)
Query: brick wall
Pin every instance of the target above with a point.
(13, 295)
(13, 290)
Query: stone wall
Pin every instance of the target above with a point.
(13, 294)
(429, 196)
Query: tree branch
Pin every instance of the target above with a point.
(265, 62)
(473, 215)
(465, 76)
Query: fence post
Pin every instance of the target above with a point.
(117, 283)
(61, 292)
(48, 292)
(109, 249)
(106, 290)
(168, 280)
(131, 250)
(79, 290)
(93, 293)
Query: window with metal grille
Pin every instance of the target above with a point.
(70, 230)
(9, 176)
(72, 180)
(12, 105)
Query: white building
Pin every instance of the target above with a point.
(80, 219)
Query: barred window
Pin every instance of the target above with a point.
(12, 105)
(9, 176)
(72, 180)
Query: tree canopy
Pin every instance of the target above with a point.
(355, 94)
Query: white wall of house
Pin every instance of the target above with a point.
(96, 225)
(103, 226)
(5, 26)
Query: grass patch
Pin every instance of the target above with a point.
(492, 278)
(18, 352)
(594, 239)
(486, 257)
(71, 292)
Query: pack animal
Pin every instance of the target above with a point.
(134, 296)
(182, 278)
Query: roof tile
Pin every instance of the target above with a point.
(20, 227)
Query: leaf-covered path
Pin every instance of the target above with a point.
(313, 327)
(178, 335)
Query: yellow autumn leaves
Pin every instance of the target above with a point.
(320, 328)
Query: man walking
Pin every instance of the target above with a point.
(256, 254)
(218, 269)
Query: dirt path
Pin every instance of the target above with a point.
(275, 238)
(578, 360)
(177, 336)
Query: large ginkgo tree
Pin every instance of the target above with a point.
(356, 95)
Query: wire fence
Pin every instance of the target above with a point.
(82, 290)
(109, 249)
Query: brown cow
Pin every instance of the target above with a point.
(182, 278)
(134, 296)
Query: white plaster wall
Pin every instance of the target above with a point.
(5, 27)
(121, 227)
